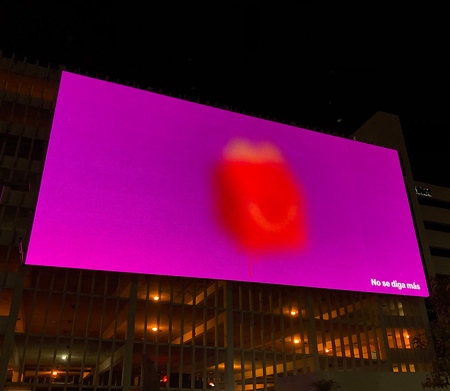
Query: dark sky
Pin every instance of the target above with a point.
(308, 64)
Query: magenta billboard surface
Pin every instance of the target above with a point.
(143, 183)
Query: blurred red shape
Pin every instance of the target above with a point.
(259, 202)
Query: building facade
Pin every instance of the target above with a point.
(70, 329)
(430, 204)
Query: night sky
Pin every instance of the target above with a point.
(299, 63)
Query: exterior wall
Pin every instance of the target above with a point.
(94, 329)
(69, 329)
(434, 206)
(430, 204)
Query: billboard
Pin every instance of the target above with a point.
(139, 182)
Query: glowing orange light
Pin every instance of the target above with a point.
(54, 373)
(293, 312)
(296, 340)
(154, 328)
(156, 298)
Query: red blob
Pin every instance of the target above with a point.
(260, 205)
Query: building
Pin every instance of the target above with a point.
(73, 329)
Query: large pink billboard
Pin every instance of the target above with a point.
(143, 183)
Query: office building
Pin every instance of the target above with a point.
(79, 329)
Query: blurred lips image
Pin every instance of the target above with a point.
(260, 204)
